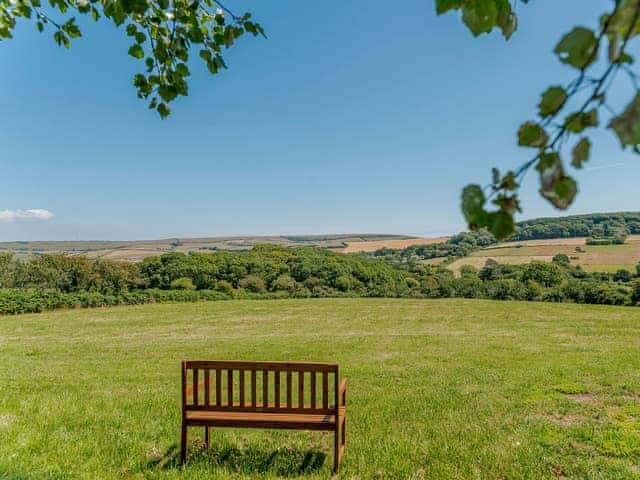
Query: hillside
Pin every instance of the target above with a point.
(137, 250)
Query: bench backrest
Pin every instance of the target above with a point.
(275, 387)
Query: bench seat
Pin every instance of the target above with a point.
(292, 421)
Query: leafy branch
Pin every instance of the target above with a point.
(164, 34)
(579, 49)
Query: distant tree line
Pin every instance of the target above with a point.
(596, 225)
(600, 228)
(267, 271)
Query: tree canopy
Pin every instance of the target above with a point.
(166, 33)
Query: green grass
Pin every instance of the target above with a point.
(442, 389)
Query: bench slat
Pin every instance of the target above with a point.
(300, 388)
(276, 383)
(325, 390)
(289, 393)
(313, 390)
(271, 408)
(254, 388)
(242, 387)
(265, 388)
(194, 391)
(207, 387)
(218, 387)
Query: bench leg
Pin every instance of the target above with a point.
(183, 444)
(206, 436)
(336, 448)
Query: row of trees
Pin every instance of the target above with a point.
(601, 228)
(596, 225)
(267, 271)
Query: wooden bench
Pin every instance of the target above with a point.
(296, 396)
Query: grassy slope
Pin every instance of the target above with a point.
(603, 258)
(438, 389)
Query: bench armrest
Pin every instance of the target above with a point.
(342, 393)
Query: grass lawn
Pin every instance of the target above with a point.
(442, 389)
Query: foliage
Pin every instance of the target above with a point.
(565, 112)
(183, 283)
(608, 226)
(165, 34)
(59, 281)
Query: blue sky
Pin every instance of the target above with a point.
(351, 117)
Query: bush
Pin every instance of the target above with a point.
(561, 259)
(546, 274)
(622, 275)
(284, 283)
(182, 283)
(225, 287)
(506, 289)
(253, 284)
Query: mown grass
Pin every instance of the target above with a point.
(438, 389)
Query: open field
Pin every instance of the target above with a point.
(439, 389)
(134, 251)
(601, 258)
(373, 245)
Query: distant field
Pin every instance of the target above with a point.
(593, 258)
(372, 246)
(134, 251)
(438, 390)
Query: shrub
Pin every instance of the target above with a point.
(635, 292)
(182, 283)
(225, 287)
(622, 275)
(546, 274)
(561, 259)
(284, 283)
(252, 284)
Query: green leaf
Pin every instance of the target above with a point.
(532, 135)
(167, 92)
(501, 224)
(443, 6)
(136, 51)
(480, 16)
(615, 44)
(509, 26)
(627, 124)
(61, 39)
(182, 70)
(553, 99)
(508, 203)
(559, 189)
(163, 110)
(580, 153)
(509, 182)
(578, 48)
(473, 201)
(562, 194)
(578, 121)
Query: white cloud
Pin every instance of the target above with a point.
(28, 214)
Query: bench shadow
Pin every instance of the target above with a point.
(284, 462)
